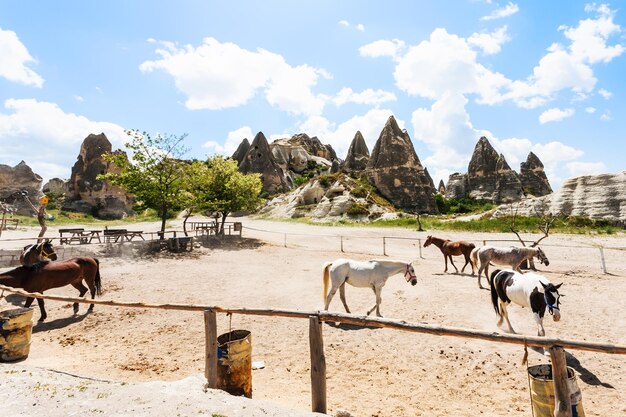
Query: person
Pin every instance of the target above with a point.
(41, 214)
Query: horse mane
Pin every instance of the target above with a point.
(34, 267)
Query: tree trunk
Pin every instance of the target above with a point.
(163, 218)
(224, 214)
(185, 222)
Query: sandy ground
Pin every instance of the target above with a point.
(371, 372)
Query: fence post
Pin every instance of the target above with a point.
(562, 401)
(341, 243)
(210, 346)
(484, 243)
(419, 245)
(602, 258)
(285, 240)
(318, 366)
(384, 246)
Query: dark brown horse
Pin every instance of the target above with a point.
(45, 275)
(450, 249)
(42, 251)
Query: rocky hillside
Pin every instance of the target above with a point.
(595, 196)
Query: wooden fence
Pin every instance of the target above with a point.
(316, 343)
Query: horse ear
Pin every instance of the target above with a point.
(543, 285)
(558, 286)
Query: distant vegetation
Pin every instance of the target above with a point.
(462, 205)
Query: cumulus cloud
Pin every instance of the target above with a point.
(506, 11)
(590, 110)
(217, 75)
(604, 93)
(382, 48)
(555, 115)
(490, 43)
(360, 27)
(47, 137)
(368, 96)
(577, 168)
(233, 139)
(606, 116)
(344, 23)
(15, 60)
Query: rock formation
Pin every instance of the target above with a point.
(397, 172)
(595, 196)
(314, 147)
(56, 186)
(241, 151)
(358, 154)
(534, 180)
(260, 159)
(88, 194)
(489, 177)
(441, 189)
(16, 179)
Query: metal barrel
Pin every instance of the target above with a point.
(234, 362)
(542, 391)
(16, 329)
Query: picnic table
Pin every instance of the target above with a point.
(121, 235)
(78, 235)
(6, 222)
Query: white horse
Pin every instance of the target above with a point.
(373, 274)
(527, 290)
(511, 256)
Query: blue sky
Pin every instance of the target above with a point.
(546, 77)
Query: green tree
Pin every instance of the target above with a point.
(230, 190)
(156, 174)
(196, 183)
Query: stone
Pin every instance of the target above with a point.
(91, 195)
(441, 189)
(314, 146)
(533, 177)
(335, 167)
(19, 178)
(260, 159)
(56, 186)
(397, 172)
(594, 196)
(241, 151)
(358, 154)
(457, 186)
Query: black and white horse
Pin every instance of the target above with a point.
(527, 290)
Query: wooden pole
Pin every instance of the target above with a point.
(210, 345)
(562, 401)
(602, 258)
(341, 237)
(384, 246)
(419, 246)
(318, 366)
(285, 240)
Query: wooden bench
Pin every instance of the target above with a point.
(6, 222)
(68, 236)
(117, 235)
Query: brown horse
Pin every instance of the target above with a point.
(45, 275)
(450, 249)
(42, 251)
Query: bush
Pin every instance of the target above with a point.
(357, 209)
(461, 205)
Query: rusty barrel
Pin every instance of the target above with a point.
(542, 391)
(16, 329)
(234, 362)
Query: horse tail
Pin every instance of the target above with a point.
(326, 279)
(97, 281)
(474, 257)
(494, 293)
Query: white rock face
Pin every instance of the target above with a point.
(595, 196)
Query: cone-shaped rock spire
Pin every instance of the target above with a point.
(358, 154)
(259, 159)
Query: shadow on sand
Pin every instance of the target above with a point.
(347, 326)
(58, 323)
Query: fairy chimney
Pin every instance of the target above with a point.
(397, 172)
(241, 151)
(259, 159)
(358, 154)
(533, 177)
(508, 184)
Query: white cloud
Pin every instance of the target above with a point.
(233, 140)
(47, 137)
(15, 60)
(360, 27)
(368, 96)
(555, 115)
(604, 93)
(585, 168)
(590, 110)
(606, 116)
(344, 23)
(78, 98)
(490, 43)
(508, 10)
(382, 48)
(239, 75)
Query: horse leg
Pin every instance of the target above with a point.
(539, 320)
(28, 302)
(42, 309)
(330, 295)
(452, 262)
(342, 295)
(445, 259)
(467, 261)
(480, 271)
(82, 291)
(377, 291)
(505, 314)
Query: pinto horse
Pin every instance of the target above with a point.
(42, 251)
(527, 290)
(512, 256)
(45, 275)
(373, 274)
(450, 249)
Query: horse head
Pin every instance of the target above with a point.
(542, 257)
(46, 250)
(552, 298)
(429, 240)
(409, 274)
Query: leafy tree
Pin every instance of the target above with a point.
(156, 174)
(196, 184)
(230, 190)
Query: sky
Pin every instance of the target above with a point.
(540, 76)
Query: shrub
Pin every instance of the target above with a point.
(357, 209)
